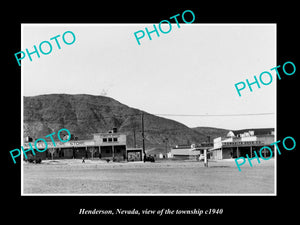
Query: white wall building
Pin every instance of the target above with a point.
(239, 143)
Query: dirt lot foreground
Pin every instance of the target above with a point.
(162, 177)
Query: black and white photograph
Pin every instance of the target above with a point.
(131, 112)
(162, 117)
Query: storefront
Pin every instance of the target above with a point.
(240, 146)
(103, 146)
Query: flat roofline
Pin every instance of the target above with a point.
(235, 137)
(81, 146)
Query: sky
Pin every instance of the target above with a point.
(191, 70)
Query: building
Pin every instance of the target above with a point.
(189, 152)
(134, 154)
(111, 145)
(239, 143)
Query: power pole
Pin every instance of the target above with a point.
(208, 139)
(205, 158)
(166, 142)
(134, 139)
(143, 134)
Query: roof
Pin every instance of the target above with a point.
(181, 151)
(134, 149)
(108, 134)
(257, 131)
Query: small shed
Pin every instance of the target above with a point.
(134, 154)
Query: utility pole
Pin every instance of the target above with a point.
(208, 139)
(205, 158)
(134, 139)
(143, 134)
(166, 142)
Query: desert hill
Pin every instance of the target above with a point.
(85, 114)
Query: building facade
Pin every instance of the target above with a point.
(111, 145)
(188, 152)
(239, 143)
(103, 145)
(134, 154)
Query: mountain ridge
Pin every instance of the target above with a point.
(85, 114)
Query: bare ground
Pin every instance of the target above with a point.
(162, 177)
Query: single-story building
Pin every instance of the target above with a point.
(134, 154)
(188, 152)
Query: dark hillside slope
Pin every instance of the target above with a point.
(84, 115)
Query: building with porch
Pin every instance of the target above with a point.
(239, 143)
(111, 145)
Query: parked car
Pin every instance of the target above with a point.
(149, 158)
(33, 159)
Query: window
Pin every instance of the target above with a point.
(109, 139)
(115, 139)
(104, 139)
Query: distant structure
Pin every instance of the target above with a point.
(241, 142)
(103, 92)
(192, 151)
